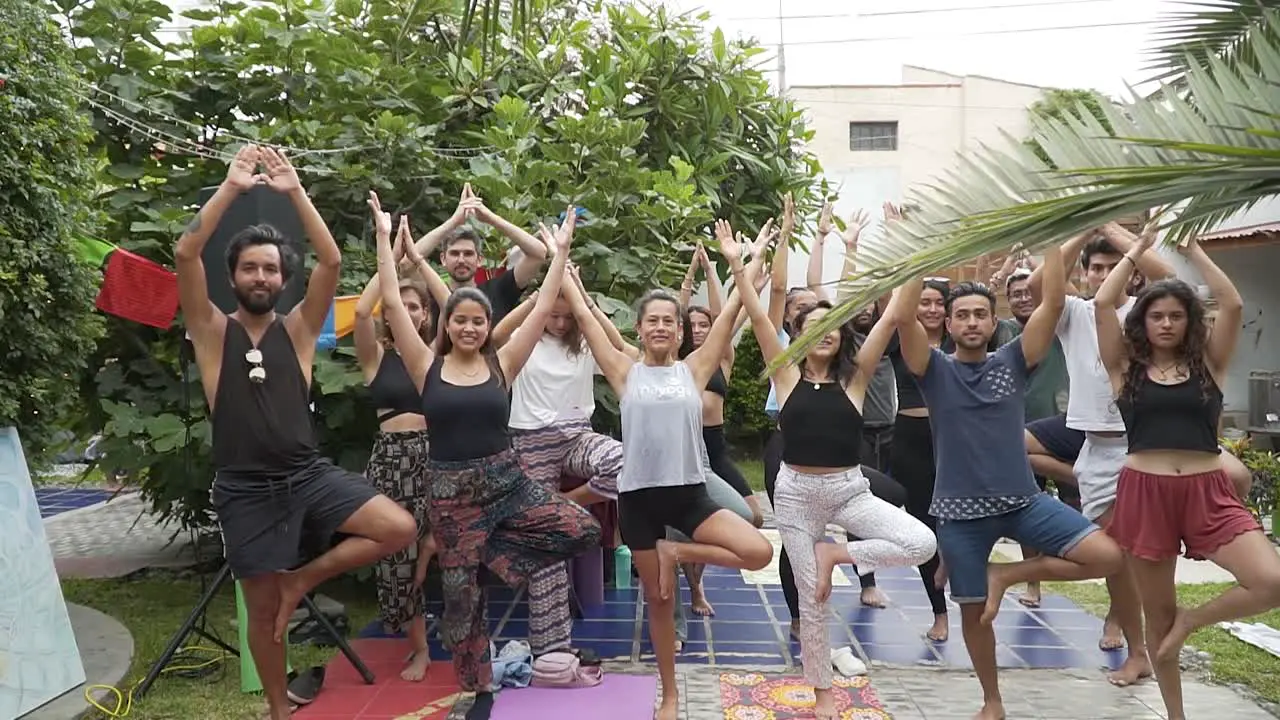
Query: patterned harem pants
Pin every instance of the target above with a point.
(398, 469)
(565, 447)
(487, 511)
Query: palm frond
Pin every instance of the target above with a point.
(1212, 149)
(1205, 29)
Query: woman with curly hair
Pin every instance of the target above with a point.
(1166, 366)
(397, 465)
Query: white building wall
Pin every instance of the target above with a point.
(939, 115)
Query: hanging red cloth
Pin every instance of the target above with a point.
(137, 289)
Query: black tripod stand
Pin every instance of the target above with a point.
(192, 625)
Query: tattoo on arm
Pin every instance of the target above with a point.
(194, 225)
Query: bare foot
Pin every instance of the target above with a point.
(1171, 647)
(292, 589)
(1031, 596)
(419, 661)
(284, 714)
(1112, 636)
(1133, 671)
(668, 561)
(824, 706)
(698, 602)
(669, 709)
(872, 597)
(940, 631)
(679, 647)
(826, 554)
(990, 711)
(997, 585)
(795, 629)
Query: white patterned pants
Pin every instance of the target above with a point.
(804, 505)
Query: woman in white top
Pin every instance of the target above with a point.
(552, 400)
(662, 482)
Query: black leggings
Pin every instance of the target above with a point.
(882, 486)
(721, 464)
(913, 467)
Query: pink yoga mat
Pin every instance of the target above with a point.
(619, 697)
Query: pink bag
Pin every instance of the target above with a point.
(564, 670)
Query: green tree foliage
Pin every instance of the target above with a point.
(46, 179)
(1060, 104)
(744, 416)
(639, 116)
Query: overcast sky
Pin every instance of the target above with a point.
(868, 41)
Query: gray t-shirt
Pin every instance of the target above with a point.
(661, 428)
(880, 404)
(978, 416)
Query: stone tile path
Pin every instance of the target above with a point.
(114, 539)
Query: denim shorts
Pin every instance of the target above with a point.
(1045, 525)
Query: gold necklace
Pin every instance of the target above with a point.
(1175, 370)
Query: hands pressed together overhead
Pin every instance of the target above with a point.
(276, 173)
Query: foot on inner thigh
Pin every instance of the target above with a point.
(293, 587)
(1135, 669)
(827, 556)
(1112, 636)
(668, 709)
(1171, 646)
(824, 707)
(668, 561)
(997, 585)
(940, 630)
(795, 628)
(698, 601)
(1031, 596)
(874, 597)
(416, 670)
(991, 711)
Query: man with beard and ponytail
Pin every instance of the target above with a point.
(272, 491)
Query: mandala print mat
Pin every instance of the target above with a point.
(753, 696)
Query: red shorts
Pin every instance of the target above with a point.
(1156, 514)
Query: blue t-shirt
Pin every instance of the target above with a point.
(771, 403)
(977, 412)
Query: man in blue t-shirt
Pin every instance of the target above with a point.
(984, 489)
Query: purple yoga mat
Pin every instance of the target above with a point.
(619, 697)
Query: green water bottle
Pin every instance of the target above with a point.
(622, 567)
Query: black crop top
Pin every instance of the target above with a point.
(465, 422)
(1183, 416)
(820, 427)
(718, 384)
(393, 390)
(909, 395)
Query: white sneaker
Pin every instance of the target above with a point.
(847, 663)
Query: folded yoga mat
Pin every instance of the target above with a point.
(755, 695)
(619, 697)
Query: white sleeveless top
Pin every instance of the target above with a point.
(661, 429)
(553, 383)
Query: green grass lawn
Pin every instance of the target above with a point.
(753, 470)
(1234, 661)
(154, 607)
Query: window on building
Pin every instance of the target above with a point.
(873, 136)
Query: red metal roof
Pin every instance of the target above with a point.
(1242, 232)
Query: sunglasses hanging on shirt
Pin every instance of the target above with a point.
(257, 373)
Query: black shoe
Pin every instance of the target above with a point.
(305, 686)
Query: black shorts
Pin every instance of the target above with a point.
(274, 524)
(644, 515)
(1061, 441)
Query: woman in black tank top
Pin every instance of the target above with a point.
(821, 481)
(397, 465)
(1167, 365)
(484, 510)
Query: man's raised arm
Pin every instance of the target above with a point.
(198, 312)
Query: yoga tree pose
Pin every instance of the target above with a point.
(821, 480)
(397, 466)
(985, 490)
(1167, 364)
(271, 488)
(484, 509)
(663, 480)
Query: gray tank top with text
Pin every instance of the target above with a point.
(661, 428)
